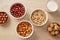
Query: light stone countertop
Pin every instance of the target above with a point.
(7, 32)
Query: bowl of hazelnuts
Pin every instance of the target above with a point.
(54, 28)
(3, 18)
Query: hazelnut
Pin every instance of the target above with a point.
(49, 29)
(53, 33)
(56, 32)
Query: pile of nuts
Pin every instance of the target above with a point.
(24, 29)
(54, 28)
(17, 10)
(3, 17)
(38, 17)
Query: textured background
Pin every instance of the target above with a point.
(40, 33)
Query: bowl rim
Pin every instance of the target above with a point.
(22, 15)
(46, 13)
(26, 36)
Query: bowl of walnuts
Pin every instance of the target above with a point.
(54, 28)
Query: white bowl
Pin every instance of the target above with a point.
(26, 36)
(52, 6)
(45, 14)
(22, 15)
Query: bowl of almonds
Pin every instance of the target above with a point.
(39, 17)
(24, 29)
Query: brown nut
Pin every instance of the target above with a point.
(49, 29)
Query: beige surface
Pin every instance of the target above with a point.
(40, 33)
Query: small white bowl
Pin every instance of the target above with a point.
(52, 6)
(45, 14)
(26, 36)
(22, 15)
